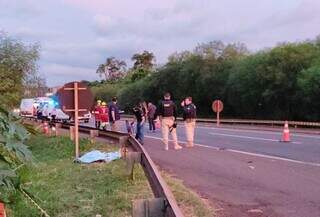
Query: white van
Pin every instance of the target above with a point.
(27, 108)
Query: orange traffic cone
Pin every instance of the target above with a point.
(286, 133)
(45, 128)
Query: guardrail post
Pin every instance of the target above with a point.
(131, 159)
(57, 128)
(93, 134)
(149, 208)
(72, 133)
(123, 142)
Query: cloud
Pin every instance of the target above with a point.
(57, 74)
(77, 35)
(27, 9)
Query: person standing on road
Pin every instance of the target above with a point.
(168, 113)
(104, 116)
(151, 116)
(139, 114)
(189, 117)
(114, 115)
(97, 111)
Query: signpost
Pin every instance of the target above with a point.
(75, 99)
(217, 106)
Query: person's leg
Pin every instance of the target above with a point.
(96, 123)
(165, 133)
(192, 131)
(137, 131)
(150, 123)
(189, 133)
(114, 126)
(153, 125)
(141, 133)
(174, 135)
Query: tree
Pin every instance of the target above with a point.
(17, 66)
(144, 60)
(113, 69)
(309, 84)
(180, 56)
(35, 86)
(13, 153)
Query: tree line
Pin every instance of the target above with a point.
(282, 82)
(18, 71)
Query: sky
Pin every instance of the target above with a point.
(77, 35)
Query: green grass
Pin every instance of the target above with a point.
(191, 204)
(66, 189)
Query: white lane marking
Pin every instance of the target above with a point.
(273, 157)
(254, 131)
(248, 153)
(184, 142)
(261, 131)
(248, 137)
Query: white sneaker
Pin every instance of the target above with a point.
(166, 148)
(178, 147)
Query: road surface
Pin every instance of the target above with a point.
(247, 173)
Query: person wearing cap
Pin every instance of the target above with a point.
(189, 117)
(168, 114)
(104, 115)
(114, 115)
(97, 111)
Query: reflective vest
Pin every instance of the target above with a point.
(104, 117)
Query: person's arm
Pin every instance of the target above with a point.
(134, 117)
(174, 112)
(159, 111)
(113, 116)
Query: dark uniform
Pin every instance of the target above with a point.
(168, 113)
(140, 117)
(189, 117)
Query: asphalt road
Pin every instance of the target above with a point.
(247, 173)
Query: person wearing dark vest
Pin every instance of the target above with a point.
(168, 113)
(189, 117)
(114, 115)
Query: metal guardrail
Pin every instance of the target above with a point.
(262, 122)
(253, 122)
(157, 183)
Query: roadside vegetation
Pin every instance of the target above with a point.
(64, 188)
(282, 82)
(19, 75)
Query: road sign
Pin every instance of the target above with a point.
(217, 106)
(75, 98)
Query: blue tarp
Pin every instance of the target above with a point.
(96, 155)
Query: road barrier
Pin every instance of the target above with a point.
(166, 205)
(272, 123)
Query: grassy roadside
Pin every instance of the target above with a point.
(191, 204)
(66, 189)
